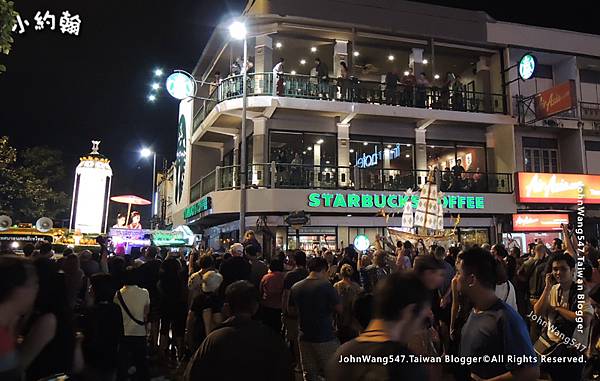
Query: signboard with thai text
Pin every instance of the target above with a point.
(553, 101)
(537, 222)
(557, 188)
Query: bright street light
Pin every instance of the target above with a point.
(146, 152)
(237, 30)
(390, 57)
(158, 72)
(151, 97)
(356, 53)
(155, 86)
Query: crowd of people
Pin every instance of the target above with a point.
(232, 316)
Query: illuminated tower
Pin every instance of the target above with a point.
(91, 193)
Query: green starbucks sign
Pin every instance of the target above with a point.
(353, 200)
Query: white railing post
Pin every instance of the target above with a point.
(273, 174)
(217, 177)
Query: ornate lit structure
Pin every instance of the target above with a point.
(91, 192)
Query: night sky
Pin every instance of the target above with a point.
(63, 91)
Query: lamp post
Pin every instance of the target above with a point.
(238, 31)
(146, 152)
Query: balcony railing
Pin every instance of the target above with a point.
(298, 176)
(351, 90)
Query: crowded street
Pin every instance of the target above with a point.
(330, 190)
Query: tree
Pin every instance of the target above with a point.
(8, 17)
(30, 183)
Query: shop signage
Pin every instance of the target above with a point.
(557, 188)
(371, 160)
(297, 219)
(353, 200)
(527, 65)
(555, 100)
(361, 242)
(198, 207)
(530, 222)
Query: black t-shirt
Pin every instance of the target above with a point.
(103, 331)
(149, 276)
(241, 349)
(495, 331)
(458, 170)
(201, 302)
(392, 351)
(234, 269)
(293, 277)
(315, 299)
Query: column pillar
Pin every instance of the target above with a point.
(421, 155)
(343, 135)
(263, 63)
(415, 61)
(236, 160)
(483, 84)
(259, 151)
(340, 53)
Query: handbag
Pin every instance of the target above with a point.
(126, 309)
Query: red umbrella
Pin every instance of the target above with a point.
(130, 200)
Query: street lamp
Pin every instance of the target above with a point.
(237, 30)
(146, 153)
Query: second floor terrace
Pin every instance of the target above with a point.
(298, 176)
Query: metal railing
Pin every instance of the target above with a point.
(302, 176)
(351, 90)
(589, 111)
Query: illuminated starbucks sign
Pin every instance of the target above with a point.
(198, 207)
(354, 200)
(527, 65)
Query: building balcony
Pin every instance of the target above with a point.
(425, 102)
(296, 176)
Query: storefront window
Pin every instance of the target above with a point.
(312, 239)
(540, 155)
(441, 156)
(472, 158)
(470, 237)
(303, 148)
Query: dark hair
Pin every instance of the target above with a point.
(152, 251)
(67, 251)
(28, 249)
(343, 64)
(517, 251)
(399, 244)
(424, 74)
(427, 262)
(593, 242)
(440, 252)
(242, 297)
(206, 261)
(276, 265)
(103, 286)
(317, 59)
(45, 248)
(501, 271)
(317, 264)
(407, 245)
(250, 250)
(453, 251)
(563, 257)
(558, 242)
(502, 252)
(397, 291)
(131, 276)
(595, 293)
(14, 272)
(482, 265)
(300, 258)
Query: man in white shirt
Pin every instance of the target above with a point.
(278, 78)
(135, 305)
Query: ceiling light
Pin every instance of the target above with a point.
(365, 144)
(309, 148)
(304, 152)
(406, 73)
(293, 72)
(351, 151)
(390, 57)
(320, 141)
(389, 146)
(425, 62)
(437, 76)
(349, 215)
(302, 61)
(356, 53)
(327, 162)
(313, 49)
(278, 45)
(407, 155)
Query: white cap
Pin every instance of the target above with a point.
(237, 248)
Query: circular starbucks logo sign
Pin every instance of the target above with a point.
(527, 65)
